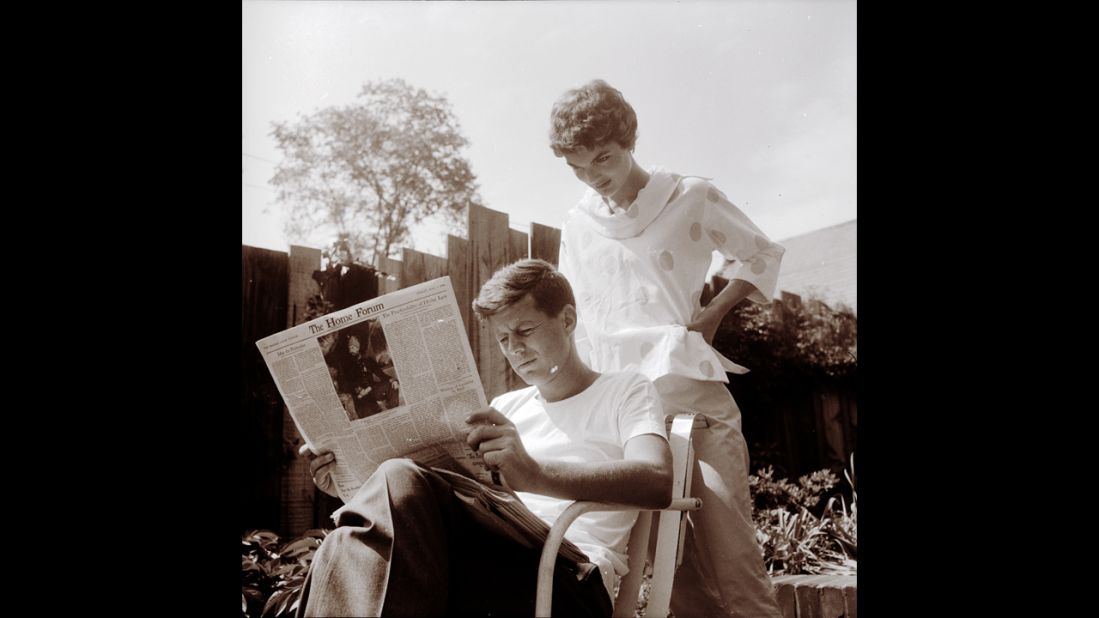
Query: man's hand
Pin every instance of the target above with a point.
(320, 468)
(495, 438)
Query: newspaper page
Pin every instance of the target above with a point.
(390, 377)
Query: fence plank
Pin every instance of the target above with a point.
(489, 240)
(298, 491)
(412, 271)
(458, 263)
(518, 249)
(517, 246)
(392, 271)
(545, 242)
(434, 267)
(264, 275)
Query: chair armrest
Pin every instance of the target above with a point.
(682, 459)
(557, 535)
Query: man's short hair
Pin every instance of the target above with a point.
(548, 287)
(590, 116)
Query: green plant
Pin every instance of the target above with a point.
(794, 539)
(792, 340)
(374, 168)
(768, 493)
(273, 573)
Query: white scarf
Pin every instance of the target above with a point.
(648, 205)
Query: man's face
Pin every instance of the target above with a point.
(603, 168)
(535, 344)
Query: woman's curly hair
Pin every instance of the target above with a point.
(589, 116)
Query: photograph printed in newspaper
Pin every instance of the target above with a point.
(390, 377)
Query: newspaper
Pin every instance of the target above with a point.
(390, 377)
(395, 377)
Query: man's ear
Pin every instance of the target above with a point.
(568, 318)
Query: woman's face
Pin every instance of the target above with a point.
(604, 168)
(353, 345)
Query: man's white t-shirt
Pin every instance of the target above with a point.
(591, 426)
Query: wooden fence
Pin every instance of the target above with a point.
(470, 262)
(277, 491)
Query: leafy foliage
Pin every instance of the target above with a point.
(794, 539)
(792, 340)
(369, 170)
(768, 493)
(273, 573)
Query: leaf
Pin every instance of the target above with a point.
(300, 546)
(271, 602)
(286, 600)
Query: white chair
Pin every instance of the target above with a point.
(668, 554)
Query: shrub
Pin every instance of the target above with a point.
(796, 540)
(272, 574)
(792, 340)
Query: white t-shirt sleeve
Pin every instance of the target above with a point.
(639, 410)
(734, 235)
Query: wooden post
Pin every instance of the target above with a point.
(489, 240)
(392, 268)
(264, 275)
(298, 490)
(412, 271)
(517, 246)
(458, 263)
(518, 249)
(545, 243)
(419, 267)
(434, 267)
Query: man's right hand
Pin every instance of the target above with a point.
(320, 468)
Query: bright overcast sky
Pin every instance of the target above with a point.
(758, 96)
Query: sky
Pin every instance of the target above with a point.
(760, 97)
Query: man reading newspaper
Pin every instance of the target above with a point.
(408, 545)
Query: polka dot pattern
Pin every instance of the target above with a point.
(717, 237)
(706, 368)
(696, 231)
(758, 266)
(762, 243)
(713, 195)
(667, 262)
(610, 264)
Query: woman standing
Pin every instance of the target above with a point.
(637, 248)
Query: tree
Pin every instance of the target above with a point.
(369, 170)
